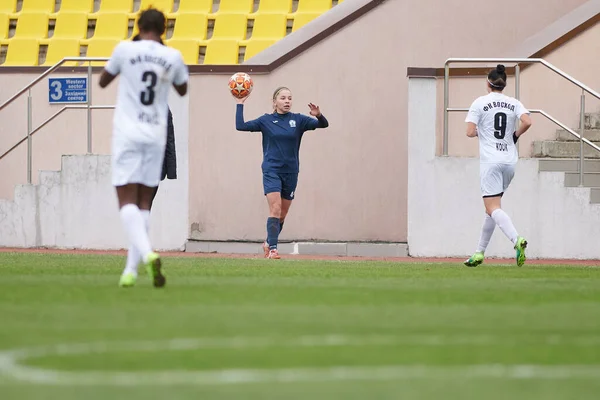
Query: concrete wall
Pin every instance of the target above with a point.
(446, 211)
(76, 206)
(354, 181)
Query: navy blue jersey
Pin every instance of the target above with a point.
(281, 137)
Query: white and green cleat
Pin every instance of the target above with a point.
(520, 247)
(153, 267)
(475, 260)
(127, 280)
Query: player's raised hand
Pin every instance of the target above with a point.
(314, 110)
(241, 100)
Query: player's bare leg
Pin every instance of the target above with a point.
(273, 223)
(494, 210)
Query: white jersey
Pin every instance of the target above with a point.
(496, 117)
(148, 69)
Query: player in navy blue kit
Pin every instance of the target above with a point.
(282, 133)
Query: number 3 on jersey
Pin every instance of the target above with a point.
(147, 96)
(500, 125)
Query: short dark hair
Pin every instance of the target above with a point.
(152, 20)
(497, 77)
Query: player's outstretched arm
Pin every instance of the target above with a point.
(240, 124)
(320, 122)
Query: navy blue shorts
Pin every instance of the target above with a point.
(284, 183)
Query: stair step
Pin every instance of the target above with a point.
(592, 135)
(595, 196)
(568, 165)
(556, 149)
(590, 179)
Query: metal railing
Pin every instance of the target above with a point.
(584, 89)
(31, 130)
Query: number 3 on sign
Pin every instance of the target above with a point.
(56, 93)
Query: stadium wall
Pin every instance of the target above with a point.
(446, 211)
(354, 179)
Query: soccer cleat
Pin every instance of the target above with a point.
(153, 267)
(265, 247)
(273, 254)
(520, 247)
(127, 280)
(475, 260)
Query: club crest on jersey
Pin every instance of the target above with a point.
(292, 123)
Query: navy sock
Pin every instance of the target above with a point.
(280, 226)
(272, 232)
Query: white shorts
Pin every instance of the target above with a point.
(495, 178)
(136, 162)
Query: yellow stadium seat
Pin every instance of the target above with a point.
(166, 6)
(101, 48)
(46, 6)
(111, 26)
(230, 26)
(190, 26)
(4, 24)
(32, 25)
(256, 46)
(71, 25)
(22, 52)
(189, 49)
(8, 6)
(313, 6)
(272, 26)
(195, 6)
(111, 6)
(221, 52)
(275, 6)
(61, 48)
(85, 6)
(236, 6)
(302, 19)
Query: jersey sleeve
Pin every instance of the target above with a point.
(310, 124)
(521, 110)
(180, 73)
(113, 66)
(474, 113)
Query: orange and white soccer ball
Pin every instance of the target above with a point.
(240, 85)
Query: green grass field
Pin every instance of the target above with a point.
(289, 329)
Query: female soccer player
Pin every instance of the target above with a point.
(147, 70)
(282, 133)
(493, 119)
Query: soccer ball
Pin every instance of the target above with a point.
(240, 85)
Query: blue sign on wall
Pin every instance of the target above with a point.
(67, 90)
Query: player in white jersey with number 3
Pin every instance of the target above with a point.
(493, 118)
(148, 70)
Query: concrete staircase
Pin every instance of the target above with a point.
(562, 155)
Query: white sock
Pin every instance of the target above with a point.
(503, 221)
(135, 228)
(133, 260)
(486, 233)
(146, 216)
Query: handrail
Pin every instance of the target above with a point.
(550, 118)
(584, 88)
(31, 130)
(48, 72)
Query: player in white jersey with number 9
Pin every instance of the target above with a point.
(493, 118)
(147, 69)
